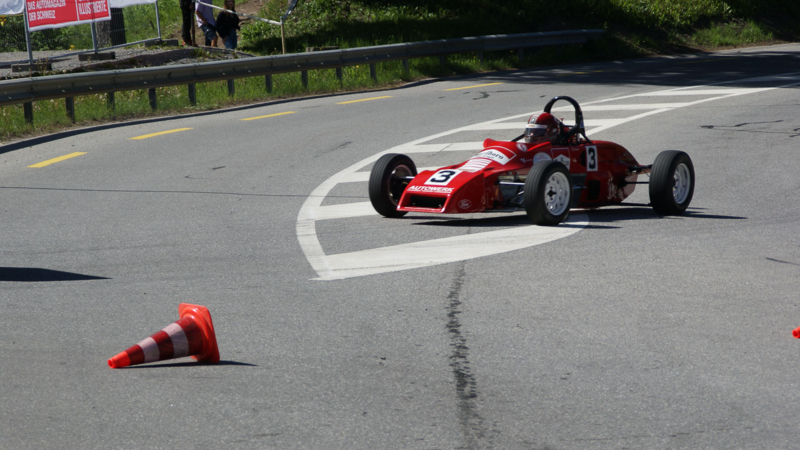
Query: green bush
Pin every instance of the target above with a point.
(672, 13)
(349, 23)
(731, 34)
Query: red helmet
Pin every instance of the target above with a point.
(541, 127)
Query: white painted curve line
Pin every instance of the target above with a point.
(360, 177)
(435, 148)
(458, 248)
(521, 125)
(344, 211)
(416, 255)
(627, 119)
(632, 107)
(464, 146)
(306, 228)
(737, 91)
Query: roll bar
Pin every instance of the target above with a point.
(579, 128)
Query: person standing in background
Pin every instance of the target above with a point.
(227, 24)
(206, 22)
(187, 11)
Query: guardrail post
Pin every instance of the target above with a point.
(110, 101)
(28, 110)
(521, 55)
(21, 92)
(406, 70)
(153, 100)
(373, 72)
(231, 87)
(339, 75)
(268, 80)
(304, 78)
(70, 103)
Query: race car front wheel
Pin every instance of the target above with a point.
(388, 180)
(548, 193)
(671, 183)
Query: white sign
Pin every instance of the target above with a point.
(11, 7)
(443, 177)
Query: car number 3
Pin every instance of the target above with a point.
(442, 177)
(591, 158)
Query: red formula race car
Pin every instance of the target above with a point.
(549, 169)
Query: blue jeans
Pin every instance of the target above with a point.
(210, 33)
(230, 40)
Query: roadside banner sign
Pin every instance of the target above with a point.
(44, 14)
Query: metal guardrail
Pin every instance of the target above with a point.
(27, 90)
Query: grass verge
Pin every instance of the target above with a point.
(51, 115)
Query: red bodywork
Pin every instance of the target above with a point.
(601, 170)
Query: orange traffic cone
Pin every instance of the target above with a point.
(796, 332)
(192, 335)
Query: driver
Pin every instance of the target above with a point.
(541, 127)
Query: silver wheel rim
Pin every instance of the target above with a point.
(683, 182)
(557, 194)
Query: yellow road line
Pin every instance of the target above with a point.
(470, 87)
(145, 136)
(270, 115)
(55, 160)
(363, 100)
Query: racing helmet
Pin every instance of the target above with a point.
(541, 127)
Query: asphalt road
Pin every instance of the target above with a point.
(628, 330)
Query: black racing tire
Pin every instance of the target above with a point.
(387, 182)
(548, 193)
(671, 183)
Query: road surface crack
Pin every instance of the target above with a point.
(472, 424)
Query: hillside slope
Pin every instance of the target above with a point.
(635, 27)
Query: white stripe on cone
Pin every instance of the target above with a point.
(150, 349)
(180, 344)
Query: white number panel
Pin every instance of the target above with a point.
(443, 177)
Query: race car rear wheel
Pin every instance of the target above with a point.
(387, 181)
(671, 183)
(548, 193)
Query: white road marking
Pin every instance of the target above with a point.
(435, 148)
(521, 125)
(364, 176)
(427, 148)
(344, 210)
(628, 119)
(465, 146)
(736, 91)
(415, 255)
(632, 107)
(459, 248)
